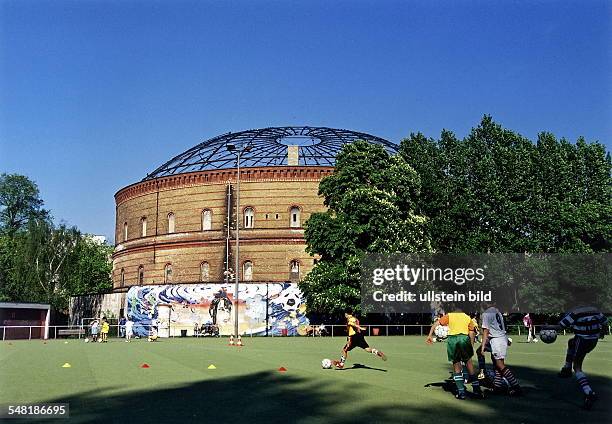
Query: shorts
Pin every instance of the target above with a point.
(581, 346)
(356, 340)
(459, 348)
(499, 347)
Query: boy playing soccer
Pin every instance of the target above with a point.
(495, 340)
(459, 348)
(355, 339)
(586, 323)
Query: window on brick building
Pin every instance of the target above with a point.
(206, 220)
(168, 273)
(141, 274)
(204, 271)
(125, 231)
(171, 223)
(122, 278)
(294, 270)
(249, 217)
(295, 217)
(143, 226)
(247, 271)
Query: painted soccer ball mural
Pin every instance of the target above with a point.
(272, 308)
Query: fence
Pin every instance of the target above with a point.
(29, 332)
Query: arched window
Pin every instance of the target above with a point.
(204, 271)
(206, 220)
(294, 270)
(168, 273)
(295, 217)
(170, 223)
(249, 217)
(125, 231)
(143, 226)
(122, 278)
(247, 271)
(141, 275)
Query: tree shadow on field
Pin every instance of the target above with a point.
(272, 397)
(546, 398)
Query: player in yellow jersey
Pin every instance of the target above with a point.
(355, 339)
(104, 330)
(459, 349)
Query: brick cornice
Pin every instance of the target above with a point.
(222, 176)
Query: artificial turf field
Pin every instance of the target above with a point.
(105, 382)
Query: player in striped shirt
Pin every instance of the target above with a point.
(586, 322)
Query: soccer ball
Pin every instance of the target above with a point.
(441, 331)
(509, 341)
(326, 363)
(548, 335)
(86, 339)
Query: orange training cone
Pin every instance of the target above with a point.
(282, 369)
(231, 341)
(239, 342)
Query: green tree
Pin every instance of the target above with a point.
(496, 191)
(19, 202)
(371, 200)
(40, 261)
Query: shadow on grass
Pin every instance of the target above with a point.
(361, 366)
(270, 397)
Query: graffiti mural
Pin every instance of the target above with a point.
(263, 309)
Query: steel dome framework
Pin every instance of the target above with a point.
(317, 146)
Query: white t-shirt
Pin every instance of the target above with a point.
(129, 325)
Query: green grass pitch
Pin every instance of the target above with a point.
(106, 384)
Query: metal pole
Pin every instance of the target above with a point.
(237, 269)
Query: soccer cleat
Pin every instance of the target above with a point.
(565, 372)
(478, 394)
(481, 375)
(589, 400)
(382, 355)
(460, 396)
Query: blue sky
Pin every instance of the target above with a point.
(95, 94)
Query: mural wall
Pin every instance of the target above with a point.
(264, 309)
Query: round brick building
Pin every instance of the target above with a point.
(177, 225)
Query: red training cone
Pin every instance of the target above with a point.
(282, 369)
(145, 366)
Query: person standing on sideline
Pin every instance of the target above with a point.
(129, 330)
(95, 329)
(104, 330)
(122, 327)
(528, 323)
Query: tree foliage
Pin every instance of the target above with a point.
(41, 261)
(19, 202)
(493, 191)
(496, 191)
(371, 200)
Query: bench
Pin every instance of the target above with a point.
(71, 332)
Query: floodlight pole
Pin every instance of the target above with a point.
(237, 269)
